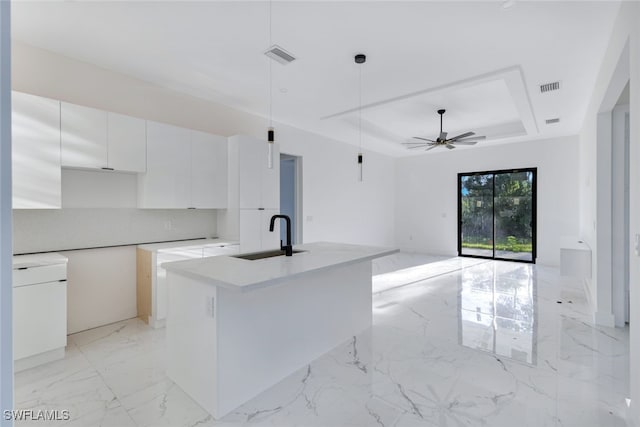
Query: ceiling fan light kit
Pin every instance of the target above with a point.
(467, 138)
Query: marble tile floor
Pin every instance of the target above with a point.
(491, 344)
(402, 269)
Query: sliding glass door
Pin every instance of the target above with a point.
(497, 214)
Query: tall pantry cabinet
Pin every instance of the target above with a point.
(254, 195)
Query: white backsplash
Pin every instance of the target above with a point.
(36, 230)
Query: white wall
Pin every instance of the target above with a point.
(426, 193)
(626, 33)
(335, 205)
(6, 290)
(340, 208)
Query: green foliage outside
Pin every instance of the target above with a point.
(513, 211)
(511, 244)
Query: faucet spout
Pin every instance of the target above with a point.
(288, 248)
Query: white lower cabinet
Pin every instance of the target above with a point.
(153, 303)
(39, 311)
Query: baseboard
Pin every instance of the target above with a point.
(587, 293)
(412, 250)
(38, 359)
(604, 319)
(632, 419)
(157, 323)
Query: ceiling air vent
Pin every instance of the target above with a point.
(549, 87)
(552, 121)
(280, 55)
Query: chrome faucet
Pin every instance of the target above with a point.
(288, 249)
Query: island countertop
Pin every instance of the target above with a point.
(245, 275)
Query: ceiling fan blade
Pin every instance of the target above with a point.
(472, 138)
(450, 147)
(464, 135)
(443, 136)
(430, 148)
(464, 142)
(419, 146)
(424, 139)
(417, 143)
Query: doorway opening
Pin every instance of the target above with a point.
(291, 195)
(620, 229)
(497, 215)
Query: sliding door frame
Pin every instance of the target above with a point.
(534, 213)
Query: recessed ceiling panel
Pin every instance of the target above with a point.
(487, 104)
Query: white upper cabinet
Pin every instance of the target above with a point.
(185, 169)
(208, 170)
(96, 139)
(167, 182)
(84, 136)
(37, 178)
(126, 143)
(258, 185)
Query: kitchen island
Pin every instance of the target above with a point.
(237, 326)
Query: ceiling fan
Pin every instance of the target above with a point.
(468, 138)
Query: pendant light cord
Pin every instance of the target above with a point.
(270, 68)
(360, 108)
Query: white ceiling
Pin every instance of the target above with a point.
(422, 56)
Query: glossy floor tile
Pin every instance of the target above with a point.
(479, 343)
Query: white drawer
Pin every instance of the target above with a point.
(39, 319)
(39, 274)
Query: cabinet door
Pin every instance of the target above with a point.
(127, 143)
(37, 178)
(84, 136)
(39, 318)
(270, 182)
(251, 230)
(167, 182)
(208, 171)
(270, 239)
(252, 158)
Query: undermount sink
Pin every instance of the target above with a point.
(266, 254)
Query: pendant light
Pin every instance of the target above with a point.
(270, 130)
(360, 59)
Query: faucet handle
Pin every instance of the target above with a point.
(281, 245)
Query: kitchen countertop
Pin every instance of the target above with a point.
(34, 260)
(182, 243)
(243, 275)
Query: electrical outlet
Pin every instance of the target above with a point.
(309, 218)
(168, 225)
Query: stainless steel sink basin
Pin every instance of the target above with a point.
(262, 255)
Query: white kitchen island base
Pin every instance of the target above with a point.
(226, 346)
